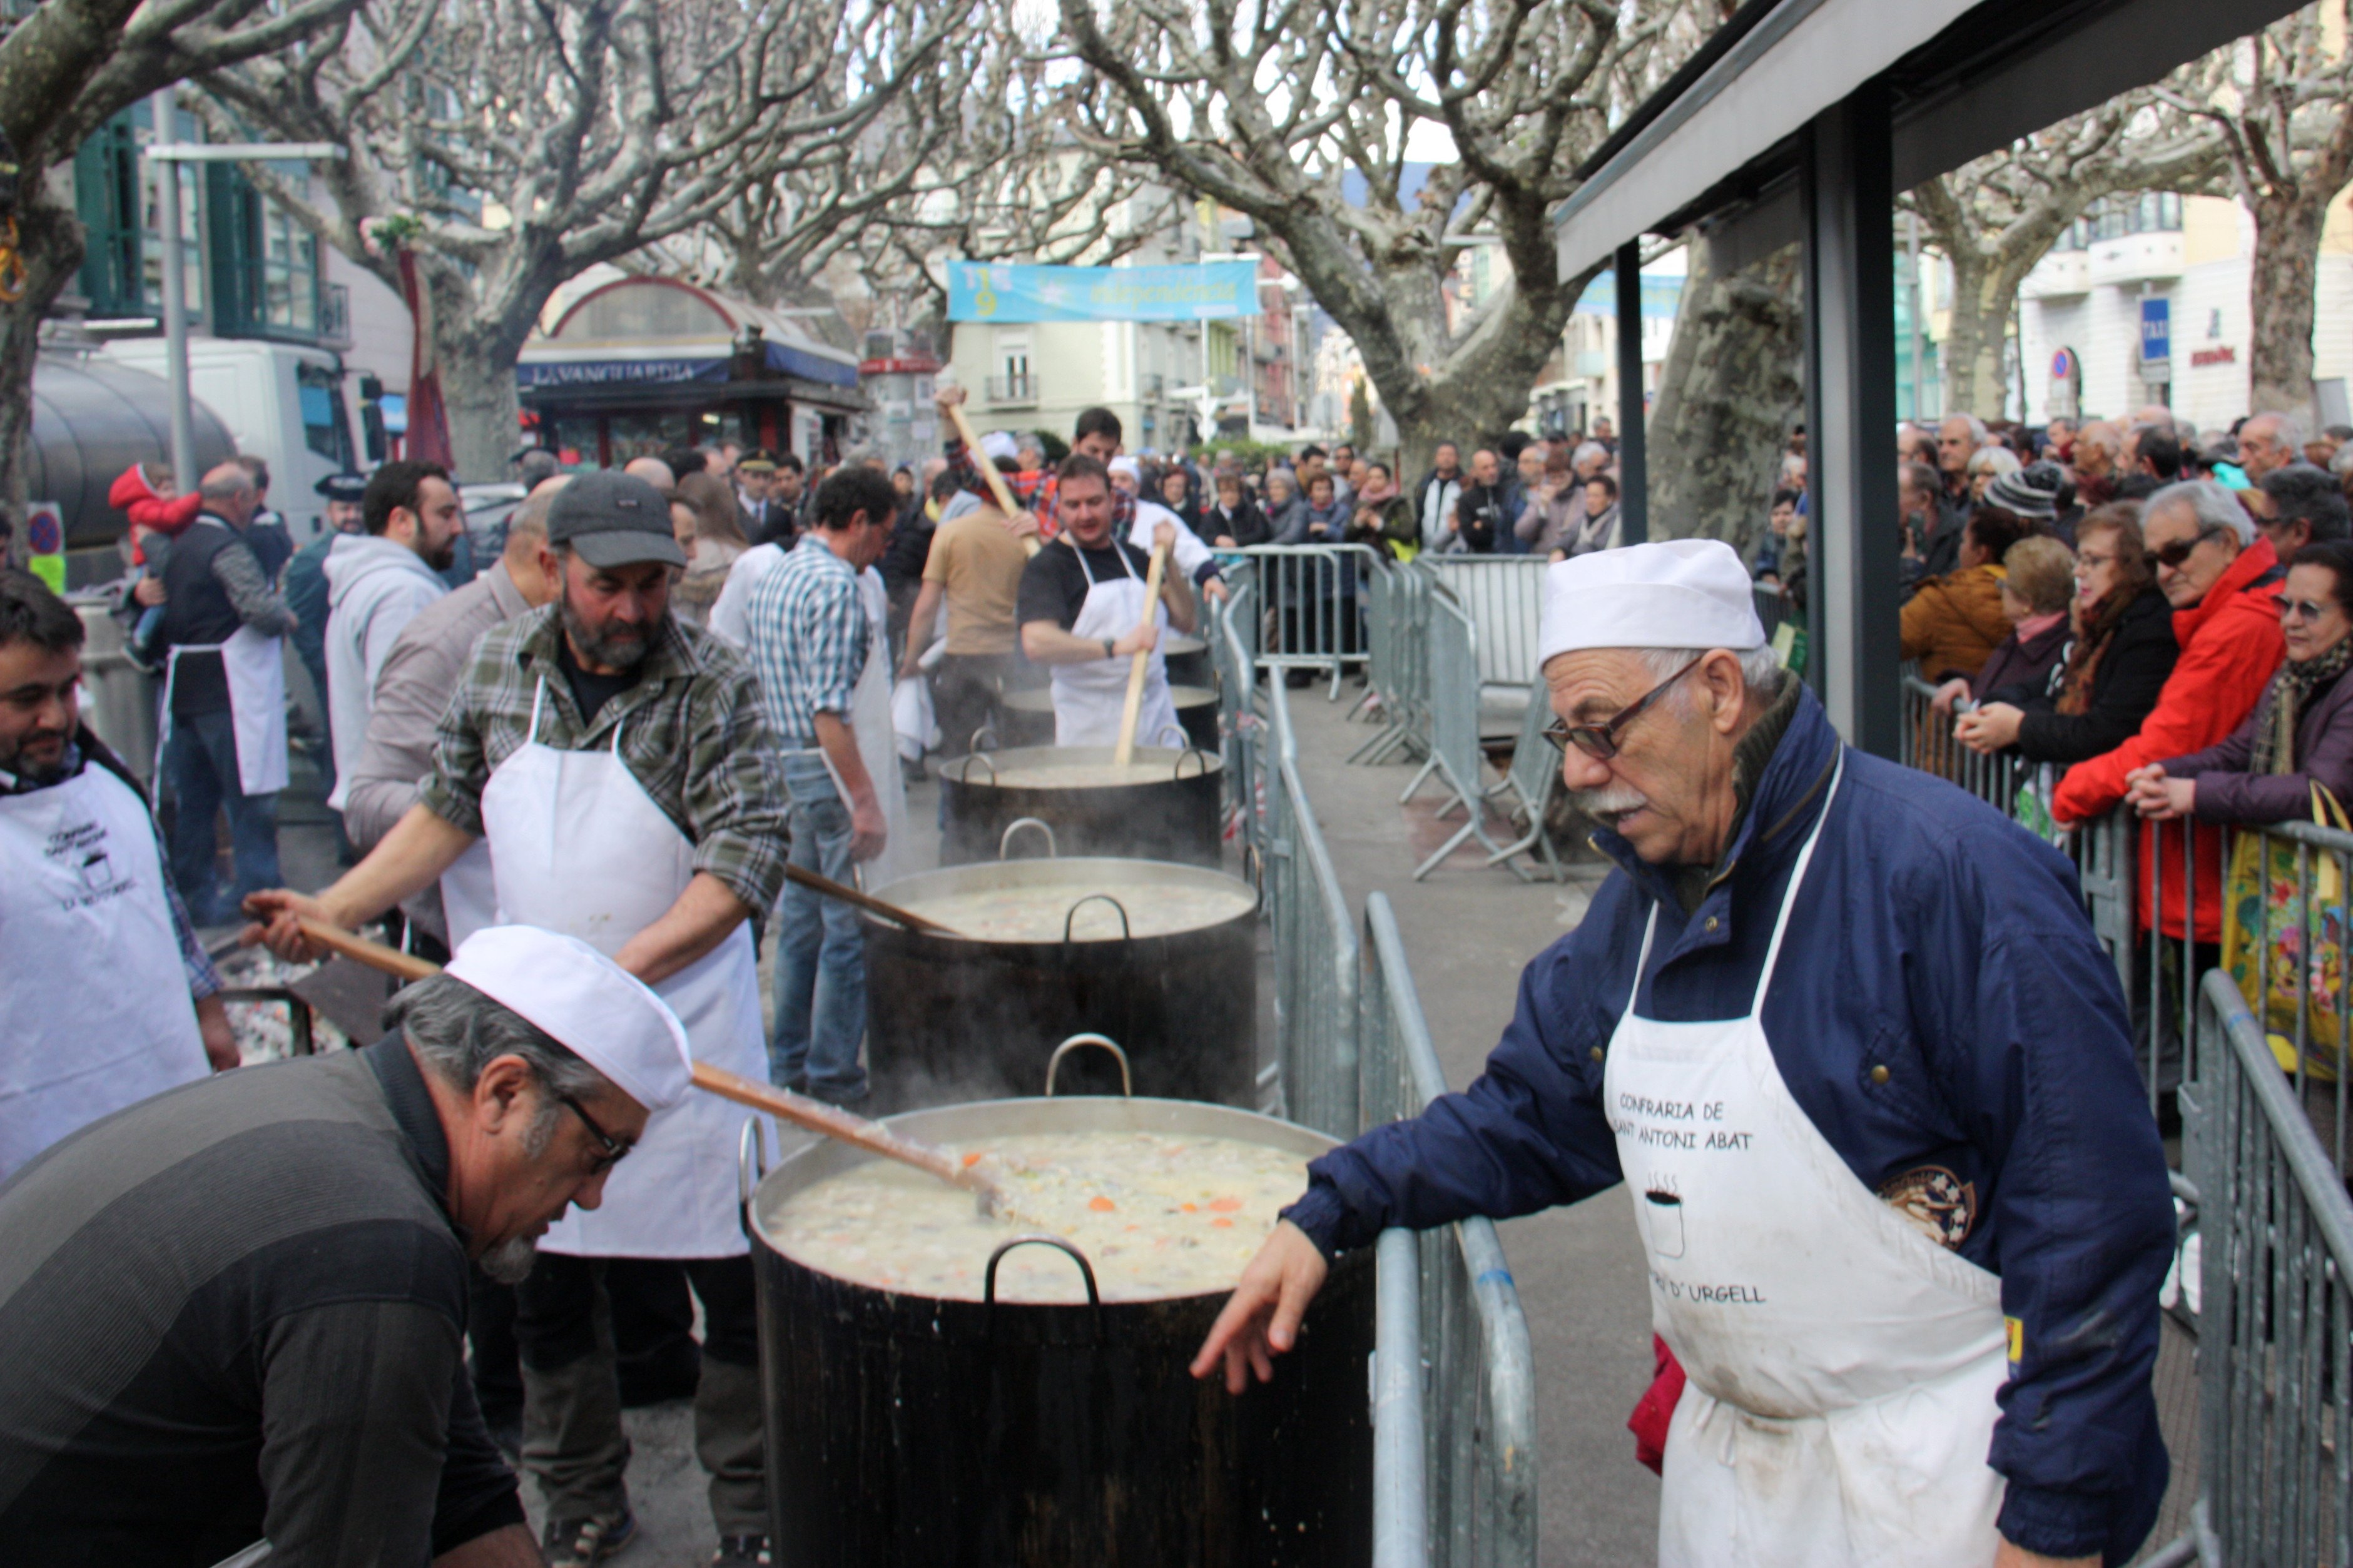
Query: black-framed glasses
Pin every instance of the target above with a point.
(1599, 741)
(609, 1148)
(2172, 556)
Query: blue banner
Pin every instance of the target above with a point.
(2156, 330)
(1661, 297)
(1008, 291)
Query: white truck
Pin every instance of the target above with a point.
(286, 405)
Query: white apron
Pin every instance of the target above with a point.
(469, 893)
(1842, 1366)
(578, 847)
(1090, 698)
(92, 987)
(255, 669)
(877, 738)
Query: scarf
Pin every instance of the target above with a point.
(1377, 496)
(2284, 702)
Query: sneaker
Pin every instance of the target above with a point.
(742, 1552)
(582, 1542)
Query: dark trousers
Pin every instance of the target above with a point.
(200, 764)
(572, 1444)
(965, 689)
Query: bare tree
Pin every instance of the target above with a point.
(510, 144)
(2281, 103)
(1994, 217)
(1298, 114)
(65, 71)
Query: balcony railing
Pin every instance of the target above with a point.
(1011, 391)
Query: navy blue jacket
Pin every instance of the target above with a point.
(1933, 938)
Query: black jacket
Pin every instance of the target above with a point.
(1245, 525)
(2124, 688)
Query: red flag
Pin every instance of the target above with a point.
(428, 440)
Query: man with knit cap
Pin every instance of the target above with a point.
(1847, 1038)
(237, 1311)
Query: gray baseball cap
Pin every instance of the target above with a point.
(613, 520)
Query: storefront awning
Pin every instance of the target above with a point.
(549, 366)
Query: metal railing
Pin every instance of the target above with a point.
(2275, 1329)
(1241, 732)
(1315, 966)
(1451, 650)
(1396, 618)
(1503, 597)
(1454, 1477)
(1313, 606)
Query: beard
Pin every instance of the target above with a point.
(615, 648)
(510, 1262)
(41, 774)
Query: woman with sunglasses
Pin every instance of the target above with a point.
(2301, 732)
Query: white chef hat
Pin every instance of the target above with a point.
(998, 447)
(1681, 592)
(1124, 463)
(586, 1002)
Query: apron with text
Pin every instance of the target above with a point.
(877, 738)
(580, 847)
(1842, 1366)
(1090, 698)
(93, 988)
(255, 667)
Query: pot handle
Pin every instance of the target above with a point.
(1086, 1271)
(750, 1166)
(1183, 737)
(972, 748)
(977, 756)
(1191, 750)
(1054, 1062)
(1005, 839)
(1126, 933)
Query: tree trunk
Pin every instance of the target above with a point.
(49, 244)
(1973, 339)
(1730, 391)
(478, 383)
(2280, 287)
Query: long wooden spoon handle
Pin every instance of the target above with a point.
(374, 954)
(867, 901)
(834, 1123)
(987, 466)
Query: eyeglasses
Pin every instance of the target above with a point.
(1599, 741)
(610, 1148)
(2172, 556)
(2087, 561)
(2302, 609)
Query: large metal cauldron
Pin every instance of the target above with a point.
(906, 1432)
(1188, 657)
(951, 1019)
(1029, 715)
(1176, 813)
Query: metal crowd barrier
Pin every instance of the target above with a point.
(1315, 965)
(1454, 1423)
(1312, 605)
(1456, 757)
(1927, 744)
(1397, 624)
(1503, 597)
(2275, 1329)
(1240, 731)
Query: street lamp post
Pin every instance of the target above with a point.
(167, 154)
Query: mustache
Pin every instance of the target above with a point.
(1610, 801)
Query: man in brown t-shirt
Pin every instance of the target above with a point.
(975, 564)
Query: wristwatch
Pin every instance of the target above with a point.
(1111, 648)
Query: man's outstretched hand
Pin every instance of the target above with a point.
(1261, 1318)
(278, 916)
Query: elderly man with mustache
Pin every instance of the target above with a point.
(1847, 1038)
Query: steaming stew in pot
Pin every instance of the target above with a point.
(1036, 914)
(1158, 1215)
(1076, 775)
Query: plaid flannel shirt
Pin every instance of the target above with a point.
(807, 640)
(692, 735)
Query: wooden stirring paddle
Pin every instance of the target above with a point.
(799, 1110)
